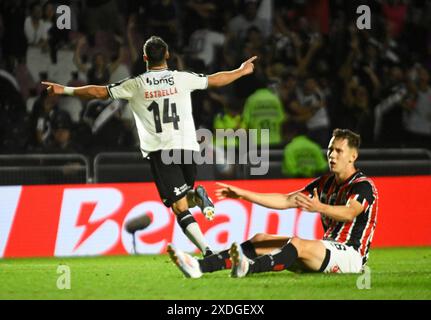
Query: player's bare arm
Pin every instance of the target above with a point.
(277, 201)
(224, 78)
(344, 213)
(86, 92)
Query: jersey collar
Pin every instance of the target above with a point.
(157, 70)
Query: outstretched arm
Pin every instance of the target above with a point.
(270, 200)
(224, 78)
(86, 92)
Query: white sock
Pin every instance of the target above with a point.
(194, 233)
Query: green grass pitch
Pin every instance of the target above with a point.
(401, 273)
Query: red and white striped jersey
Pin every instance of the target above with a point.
(359, 232)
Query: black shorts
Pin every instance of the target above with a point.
(173, 181)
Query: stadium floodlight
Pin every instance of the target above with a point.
(139, 223)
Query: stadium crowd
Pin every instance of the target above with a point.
(316, 70)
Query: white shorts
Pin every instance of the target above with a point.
(344, 259)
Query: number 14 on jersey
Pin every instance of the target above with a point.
(174, 118)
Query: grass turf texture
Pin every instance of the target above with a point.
(401, 273)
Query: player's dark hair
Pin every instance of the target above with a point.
(353, 139)
(155, 49)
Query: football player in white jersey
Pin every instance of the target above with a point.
(162, 108)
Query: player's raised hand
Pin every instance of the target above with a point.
(53, 88)
(309, 204)
(247, 67)
(227, 191)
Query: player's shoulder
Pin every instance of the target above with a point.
(121, 82)
(130, 78)
(188, 72)
(362, 181)
(360, 177)
(321, 181)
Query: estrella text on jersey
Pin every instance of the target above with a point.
(160, 93)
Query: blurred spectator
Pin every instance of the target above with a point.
(6, 72)
(359, 107)
(24, 78)
(395, 12)
(206, 105)
(12, 114)
(197, 13)
(362, 79)
(41, 118)
(230, 118)
(75, 81)
(135, 45)
(13, 42)
(427, 60)
(35, 28)
(31, 100)
(388, 112)
(100, 15)
(56, 36)
(317, 11)
(389, 48)
(264, 110)
(240, 24)
(73, 105)
(63, 141)
(204, 44)
(305, 60)
(110, 132)
(301, 156)
(37, 38)
(417, 117)
(100, 70)
(310, 109)
(255, 45)
(285, 14)
(246, 86)
(163, 21)
(416, 31)
(62, 136)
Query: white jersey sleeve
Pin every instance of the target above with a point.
(124, 89)
(192, 81)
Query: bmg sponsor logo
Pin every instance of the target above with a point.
(155, 82)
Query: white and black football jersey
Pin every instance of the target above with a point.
(162, 107)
